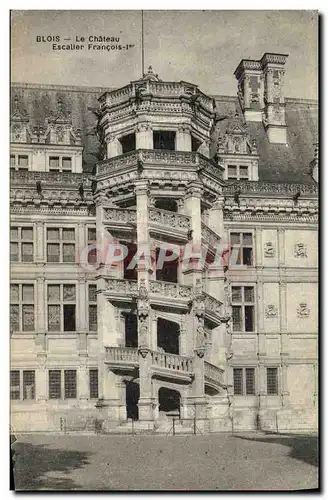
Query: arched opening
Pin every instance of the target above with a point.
(132, 394)
(168, 336)
(167, 270)
(131, 329)
(166, 204)
(130, 274)
(169, 402)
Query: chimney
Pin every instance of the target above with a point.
(261, 93)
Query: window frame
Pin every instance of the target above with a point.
(21, 303)
(276, 368)
(14, 165)
(62, 384)
(60, 242)
(238, 167)
(243, 304)
(244, 380)
(91, 396)
(21, 373)
(60, 167)
(61, 303)
(242, 246)
(20, 241)
(92, 304)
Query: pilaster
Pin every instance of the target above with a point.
(144, 136)
(183, 138)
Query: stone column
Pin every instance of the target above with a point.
(215, 217)
(144, 136)
(144, 263)
(83, 380)
(114, 147)
(281, 247)
(199, 385)
(193, 266)
(145, 403)
(183, 138)
(258, 241)
(39, 242)
(41, 389)
(284, 385)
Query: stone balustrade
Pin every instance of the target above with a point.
(172, 361)
(121, 286)
(214, 373)
(212, 305)
(113, 214)
(261, 187)
(124, 354)
(170, 290)
(210, 237)
(169, 219)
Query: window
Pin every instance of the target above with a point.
(164, 140)
(243, 242)
(21, 244)
(60, 245)
(14, 384)
(272, 381)
(128, 143)
(92, 307)
(22, 307)
(238, 172)
(244, 381)
(61, 308)
(12, 161)
(62, 385)
(60, 164)
(19, 162)
(92, 238)
(27, 391)
(242, 298)
(23, 161)
(93, 383)
(70, 384)
(54, 384)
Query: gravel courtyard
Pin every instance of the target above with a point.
(212, 462)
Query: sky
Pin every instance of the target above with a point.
(202, 47)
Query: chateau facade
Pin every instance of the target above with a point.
(163, 248)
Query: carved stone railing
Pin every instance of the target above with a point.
(170, 290)
(169, 219)
(121, 286)
(214, 373)
(210, 236)
(122, 354)
(212, 305)
(120, 215)
(49, 178)
(261, 187)
(172, 361)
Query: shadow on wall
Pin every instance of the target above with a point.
(33, 462)
(302, 447)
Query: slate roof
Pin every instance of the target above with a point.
(279, 163)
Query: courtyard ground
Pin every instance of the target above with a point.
(212, 462)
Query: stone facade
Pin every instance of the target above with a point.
(170, 278)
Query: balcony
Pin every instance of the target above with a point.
(213, 309)
(164, 222)
(122, 357)
(210, 237)
(214, 376)
(120, 219)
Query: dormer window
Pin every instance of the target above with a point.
(53, 163)
(60, 164)
(67, 163)
(238, 172)
(23, 161)
(12, 161)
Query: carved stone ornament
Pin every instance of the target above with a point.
(300, 250)
(271, 311)
(200, 351)
(303, 311)
(143, 350)
(269, 249)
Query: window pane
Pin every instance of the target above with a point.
(54, 318)
(22, 160)
(69, 318)
(272, 381)
(249, 318)
(232, 171)
(69, 234)
(236, 319)
(92, 234)
(69, 293)
(70, 384)
(235, 238)
(236, 294)
(28, 318)
(54, 384)
(250, 381)
(29, 384)
(247, 239)
(247, 256)
(93, 383)
(14, 384)
(27, 252)
(14, 252)
(14, 293)
(243, 172)
(12, 160)
(238, 381)
(68, 252)
(53, 293)
(67, 163)
(92, 293)
(92, 255)
(28, 293)
(27, 233)
(54, 162)
(52, 252)
(13, 233)
(249, 294)
(53, 234)
(93, 318)
(14, 318)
